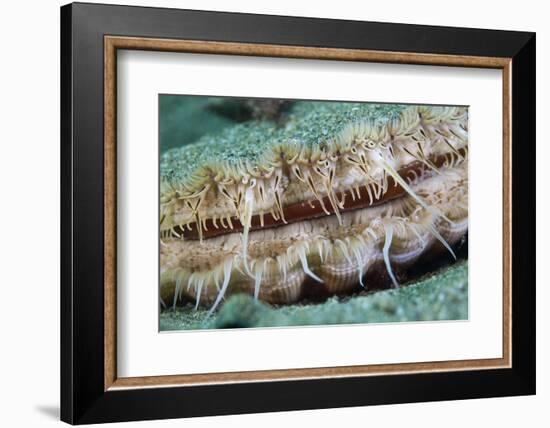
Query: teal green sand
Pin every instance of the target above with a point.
(438, 296)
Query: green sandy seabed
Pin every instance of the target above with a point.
(439, 295)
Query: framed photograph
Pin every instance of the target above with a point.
(266, 213)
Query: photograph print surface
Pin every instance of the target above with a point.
(278, 212)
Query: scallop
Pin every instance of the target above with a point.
(308, 216)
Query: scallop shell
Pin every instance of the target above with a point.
(319, 254)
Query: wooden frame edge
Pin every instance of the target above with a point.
(303, 52)
(300, 374)
(109, 198)
(112, 43)
(507, 213)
